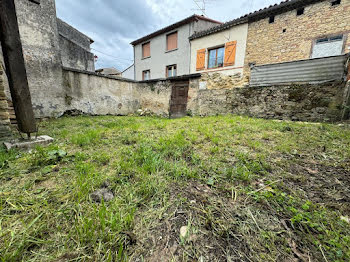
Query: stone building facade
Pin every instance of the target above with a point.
(296, 31)
(5, 131)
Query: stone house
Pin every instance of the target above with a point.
(48, 45)
(290, 31)
(166, 52)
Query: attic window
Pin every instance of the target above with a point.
(300, 11)
(272, 19)
(337, 2)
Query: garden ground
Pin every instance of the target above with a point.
(241, 189)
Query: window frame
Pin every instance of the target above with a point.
(166, 70)
(143, 74)
(216, 57)
(166, 41)
(142, 50)
(328, 37)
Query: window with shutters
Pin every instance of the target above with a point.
(200, 63)
(171, 42)
(171, 71)
(146, 50)
(146, 75)
(230, 53)
(216, 57)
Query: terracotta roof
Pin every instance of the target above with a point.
(174, 26)
(276, 9)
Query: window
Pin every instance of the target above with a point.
(272, 19)
(300, 11)
(171, 71)
(171, 41)
(146, 50)
(146, 75)
(216, 57)
(35, 1)
(337, 2)
(328, 46)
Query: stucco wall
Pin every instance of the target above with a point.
(95, 94)
(160, 58)
(237, 33)
(39, 35)
(129, 73)
(268, 43)
(74, 56)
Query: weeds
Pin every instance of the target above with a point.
(246, 189)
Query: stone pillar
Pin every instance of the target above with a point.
(5, 131)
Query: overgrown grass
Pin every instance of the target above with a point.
(247, 189)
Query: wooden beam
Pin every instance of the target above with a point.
(15, 67)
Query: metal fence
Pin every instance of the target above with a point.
(305, 71)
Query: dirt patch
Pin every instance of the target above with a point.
(328, 185)
(220, 229)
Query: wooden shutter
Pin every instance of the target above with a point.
(146, 50)
(171, 41)
(230, 53)
(200, 60)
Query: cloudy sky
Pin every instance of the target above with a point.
(113, 24)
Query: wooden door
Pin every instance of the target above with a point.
(179, 95)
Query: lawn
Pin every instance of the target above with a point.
(240, 189)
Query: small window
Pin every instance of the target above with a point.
(272, 19)
(216, 57)
(146, 75)
(300, 11)
(171, 41)
(337, 2)
(35, 1)
(171, 71)
(146, 50)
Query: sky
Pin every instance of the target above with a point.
(113, 24)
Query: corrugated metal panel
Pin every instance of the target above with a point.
(305, 71)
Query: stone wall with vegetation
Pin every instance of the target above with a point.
(322, 102)
(291, 37)
(5, 131)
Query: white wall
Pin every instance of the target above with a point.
(160, 58)
(237, 33)
(129, 73)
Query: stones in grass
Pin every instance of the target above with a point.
(104, 193)
(183, 231)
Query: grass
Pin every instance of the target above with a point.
(247, 189)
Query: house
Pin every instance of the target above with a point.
(220, 50)
(109, 71)
(290, 31)
(298, 30)
(166, 52)
(75, 48)
(129, 72)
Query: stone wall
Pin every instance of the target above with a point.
(221, 81)
(5, 131)
(322, 102)
(39, 35)
(291, 37)
(95, 94)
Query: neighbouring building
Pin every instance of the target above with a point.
(290, 31)
(48, 45)
(75, 48)
(298, 30)
(129, 72)
(166, 52)
(220, 52)
(109, 71)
